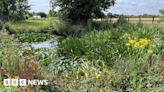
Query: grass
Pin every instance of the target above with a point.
(106, 45)
(29, 25)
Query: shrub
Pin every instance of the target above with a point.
(42, 14)
(101, 25)
(9, 29)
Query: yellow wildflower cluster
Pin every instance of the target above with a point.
(141, 43)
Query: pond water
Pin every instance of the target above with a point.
(47, 44)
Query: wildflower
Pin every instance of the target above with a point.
(144, 41)
(137, 45)
(132, 41)
(97, 75)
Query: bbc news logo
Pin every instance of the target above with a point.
(24, 82)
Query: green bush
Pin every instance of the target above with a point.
(121, 21)
(42, 14)
(100, 25)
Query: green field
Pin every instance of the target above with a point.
(29, 25)
(42, 25)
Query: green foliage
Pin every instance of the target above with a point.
(14, 9)
(10, 55)
(121, 21)
(101, 25)
(32, 37)
(30, 25)
(116, 58)
(108, 45)
(3, 7)
(42, 14)
(103, 61)
(84, 9)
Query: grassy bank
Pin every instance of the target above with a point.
(114, 60)
(32, 25)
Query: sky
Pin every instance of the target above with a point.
(128, 7)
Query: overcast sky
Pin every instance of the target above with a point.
(130, 7)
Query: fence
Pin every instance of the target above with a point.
(144, 20)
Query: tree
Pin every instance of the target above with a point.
(162, 12)
(109, 15)
(82, 10)
(18, 9)
(42, 14)
(3, 7)
(14, 9)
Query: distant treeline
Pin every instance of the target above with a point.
(110, 15)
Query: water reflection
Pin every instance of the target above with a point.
(47, 44)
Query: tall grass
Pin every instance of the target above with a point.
(109, 45)
(121, 59)
(29, 25)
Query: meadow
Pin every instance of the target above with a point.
(29, 25)
(106, 57)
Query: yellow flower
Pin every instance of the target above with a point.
(132, 41)
(137, 45)
(97, 75)
(150, 51)
(144, 41)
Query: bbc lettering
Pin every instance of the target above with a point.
(24, 82)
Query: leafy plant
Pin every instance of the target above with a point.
(32, 37)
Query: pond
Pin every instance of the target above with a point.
(45, 45)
